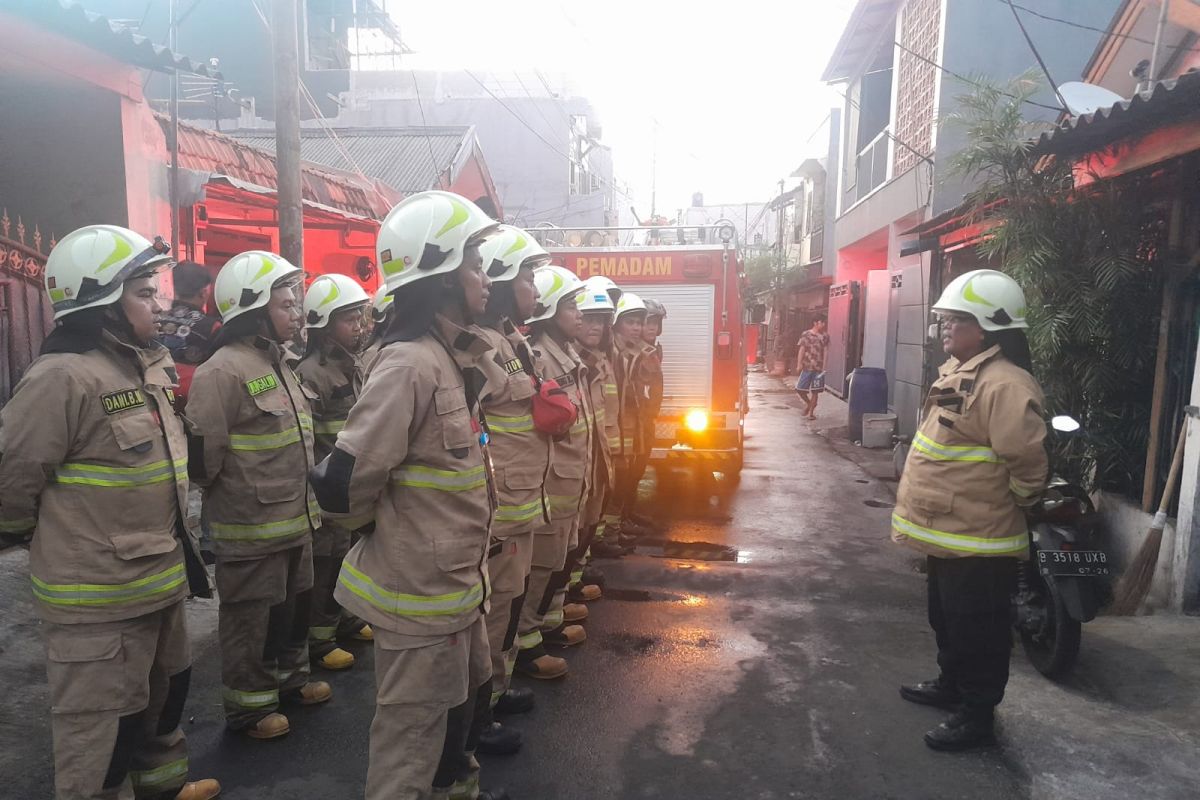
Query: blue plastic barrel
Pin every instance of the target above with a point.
(868, 395)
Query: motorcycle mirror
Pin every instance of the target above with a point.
(1065, 424)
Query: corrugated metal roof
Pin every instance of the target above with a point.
(101, 33)
(207, 151)
(860, 33)
(400, 157)
(1167, 101)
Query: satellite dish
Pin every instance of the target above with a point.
(1084, 98)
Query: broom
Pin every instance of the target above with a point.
(1135, 583)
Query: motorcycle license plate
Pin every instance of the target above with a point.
(1073, 562)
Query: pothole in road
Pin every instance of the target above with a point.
(878, 504)
(688, 551)
(628, 644)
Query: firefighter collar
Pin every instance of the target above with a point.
(953, 365)
(153, 361)
(465, 344)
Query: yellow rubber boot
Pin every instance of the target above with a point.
(336, 659)
(315, 692)
(271, 726)
(206, 789)
(365, 634)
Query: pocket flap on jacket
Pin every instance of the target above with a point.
(84, 647)
(134, 430)
(277, 491)
(129, 546)
(569, 470)
(272, 402)
(520, 386)
(523, 478)
(449, 400)
(931, 502)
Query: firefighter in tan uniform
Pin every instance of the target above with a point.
(976, 463)
(93, 467)
(331, 370)
(251, 450)
(606, 539)
(585, 583)
(634, 377)
(556, 322)
(409, 471)
(381, 316)
(521, 454)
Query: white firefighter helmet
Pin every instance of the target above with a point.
(655, 308)
(427, 234)
(88, 267)
(246, 281)
(510, 249)
(382, 303)
(993, 298)
(606, 285)
(329, 294)
(595, 296)
(629, 303)
(554, 284)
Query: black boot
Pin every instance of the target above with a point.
(517, 700)
(938, 693)
(608, 549)
(593, 576)
(497, 740)
(965, 730)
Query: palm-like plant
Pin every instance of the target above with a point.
(1087, 260)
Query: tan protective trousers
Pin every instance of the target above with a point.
(550, 546)
(509, 561)
(328, 621)
(419, 681)
(117, 691)
(263, 625)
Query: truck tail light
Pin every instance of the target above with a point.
(696, 420)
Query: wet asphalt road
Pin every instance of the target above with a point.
(770, 676)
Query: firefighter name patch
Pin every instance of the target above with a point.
(122, 400)
(264, 384)
(513, 366)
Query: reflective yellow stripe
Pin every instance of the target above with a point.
(230, 532)
(306, 421)
(96, 594)
(262, 699)
(409, 605)
(1024, 490)
(564, 502)
(121, 477)
(944, 452)
(323, 633)
(614, 442)
(264, 441)
(329, 426)
(521, 513)
(581, 424)
(443, 480)
(1010, 545)
(610, 388)
(501, 424)
(168, 775)
(529, 641)
(19, 525)
(552, 620)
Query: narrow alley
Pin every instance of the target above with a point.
(771, 675)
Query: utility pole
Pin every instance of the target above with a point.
(286, 50)
(173, 177)
(654, 170)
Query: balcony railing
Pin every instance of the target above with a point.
(870, 168)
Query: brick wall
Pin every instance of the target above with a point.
(916, 82)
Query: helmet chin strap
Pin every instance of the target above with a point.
(118, 325)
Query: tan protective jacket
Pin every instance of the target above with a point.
(252, 449)
(410, 459)
(635, 378)
(976, 461)
(333, 377)
(600, 380)
(520, 453)
(566, 483)
(93, 461)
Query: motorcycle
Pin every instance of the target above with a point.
(1062, 585)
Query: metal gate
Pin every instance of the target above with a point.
(843, 336)
(687, 341)
(25, 316)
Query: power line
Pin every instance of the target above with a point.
(1038, 56)
(532, 130)
(437, 172)
(969, 81)
(1105, 31)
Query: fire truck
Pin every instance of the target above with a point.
(696, 273)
